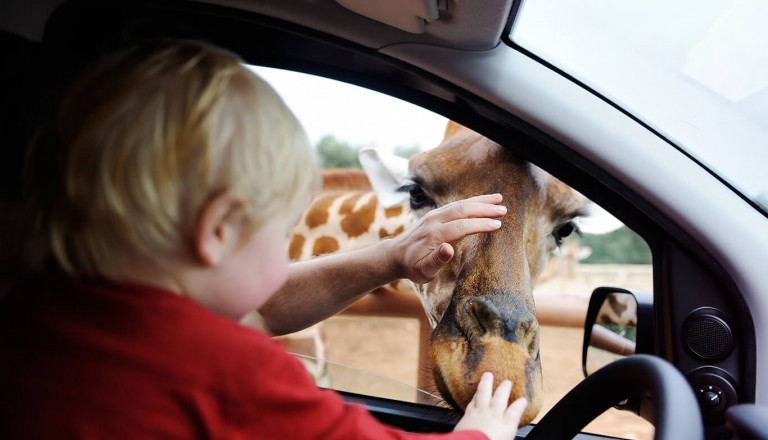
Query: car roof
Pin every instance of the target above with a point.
(466, 27)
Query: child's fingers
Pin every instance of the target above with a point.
(467, 209)
(486, 206)
(515, 411)
(484, 391)
(501, 397)
(494, 199)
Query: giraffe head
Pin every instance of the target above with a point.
(481, 305)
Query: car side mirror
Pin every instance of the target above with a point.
(618, 324)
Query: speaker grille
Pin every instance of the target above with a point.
(708, 336)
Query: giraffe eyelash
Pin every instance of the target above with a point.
(564, 231)
(418, 198)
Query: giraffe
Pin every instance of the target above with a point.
(618, 310)
(345, 215)
(481, 306)
(614, 329)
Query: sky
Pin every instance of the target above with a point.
(359, 116)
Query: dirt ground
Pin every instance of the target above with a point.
(389, 347)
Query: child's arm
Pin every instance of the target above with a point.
(319, 288)
(488, 411)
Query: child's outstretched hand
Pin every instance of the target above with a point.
(488, 411)
(424, 249)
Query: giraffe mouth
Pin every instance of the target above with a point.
(445, 392)
(459, 362)
(480, 333)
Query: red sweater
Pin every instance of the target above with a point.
(100, 360)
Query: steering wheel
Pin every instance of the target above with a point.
(676, 412)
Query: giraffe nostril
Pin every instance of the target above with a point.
(485, 317)
(519, 326)
(477, 316)
(528, 335)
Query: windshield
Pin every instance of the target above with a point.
(695, 71)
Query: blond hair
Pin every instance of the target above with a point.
(145, 138)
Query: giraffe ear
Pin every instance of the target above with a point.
(598, 221)
(387, 173)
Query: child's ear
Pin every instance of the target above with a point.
(219, 226)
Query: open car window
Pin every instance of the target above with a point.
(382, 354)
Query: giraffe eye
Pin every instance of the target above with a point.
(419, 199)
(563, 231)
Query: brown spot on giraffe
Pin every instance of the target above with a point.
(358, 221)
(295, 246)
(325, 245)
(383, 233)
(349, 203)
(318, 214)
(394, 211)
(617, 307)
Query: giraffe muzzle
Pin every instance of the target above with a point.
(484, 318)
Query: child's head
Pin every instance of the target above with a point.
(144, 139)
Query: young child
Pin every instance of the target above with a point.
(166, 186)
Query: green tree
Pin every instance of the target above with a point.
(621, 246)
(334, 153)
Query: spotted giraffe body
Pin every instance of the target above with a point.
(347, 215)
(345, 220)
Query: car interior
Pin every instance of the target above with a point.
(701, 349)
